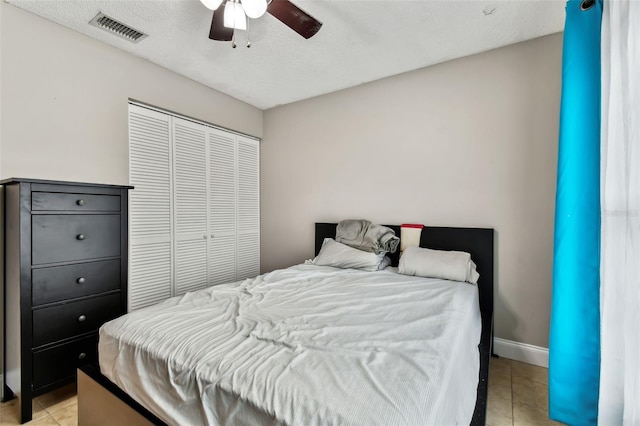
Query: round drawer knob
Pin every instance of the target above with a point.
(81, 280)
(80, 237)
(82, 355)
(80, 202)
(81, 318)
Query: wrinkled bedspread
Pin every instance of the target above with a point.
(307, 345)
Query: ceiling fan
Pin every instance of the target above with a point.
(236, 12)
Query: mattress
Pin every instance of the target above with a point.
(306, 345)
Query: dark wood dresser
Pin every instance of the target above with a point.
(65, 275)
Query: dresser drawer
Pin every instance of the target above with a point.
(74, 202)
(58, 283)
(60, 238)
(60, 362)
(70, 319)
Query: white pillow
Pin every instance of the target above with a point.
(448, 265)
(340, 255)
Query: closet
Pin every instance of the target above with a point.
(195, 209)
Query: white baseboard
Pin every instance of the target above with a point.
(521, 352)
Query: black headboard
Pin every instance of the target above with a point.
(479, 243)
(476, 241)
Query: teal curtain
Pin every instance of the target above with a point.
(574, 344)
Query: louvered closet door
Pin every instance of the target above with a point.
(190, 205)
(150, 207)
(222, 206)
(248, 202)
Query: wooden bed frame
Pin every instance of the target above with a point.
(100, 402)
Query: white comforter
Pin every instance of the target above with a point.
(307, 345)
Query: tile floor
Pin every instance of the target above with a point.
(517, 396)
(59, 407)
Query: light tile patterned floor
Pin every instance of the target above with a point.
(59, 407)
(517, 394)
(517, 397)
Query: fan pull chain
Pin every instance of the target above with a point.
(233, 40)
(248, 38)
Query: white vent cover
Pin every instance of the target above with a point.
(117, 28)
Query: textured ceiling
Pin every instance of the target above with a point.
(360, 41)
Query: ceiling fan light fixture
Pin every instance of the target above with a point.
(211, 4)
(223, 25)
(254, 8)
(234, 16)
(241, 18)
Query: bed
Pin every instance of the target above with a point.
(311, 345)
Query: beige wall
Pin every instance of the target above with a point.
(64, 102)
(471, 142)
(63, 99)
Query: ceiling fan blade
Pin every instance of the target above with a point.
(218, 30)
(294, 17)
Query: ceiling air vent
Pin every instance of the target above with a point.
(117, 28)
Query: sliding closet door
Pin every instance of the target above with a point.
(150, 205)
(190, 205)
(248, 207)
(222, 206)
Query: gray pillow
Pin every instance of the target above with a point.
(340, 255)
(448, 265)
